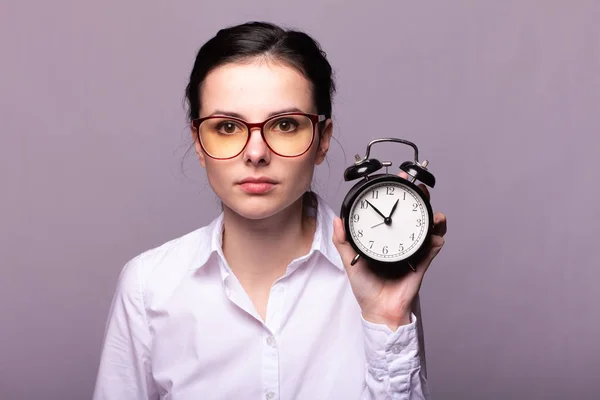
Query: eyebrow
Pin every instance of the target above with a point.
(240, 116)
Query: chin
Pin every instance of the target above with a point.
(257, 207)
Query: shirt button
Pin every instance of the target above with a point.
(270, 396)
(271, 341)
(396, 349)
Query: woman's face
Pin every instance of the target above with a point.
(254, 91)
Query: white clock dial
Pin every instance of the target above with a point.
(393, 239)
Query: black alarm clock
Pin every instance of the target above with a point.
(388, 220)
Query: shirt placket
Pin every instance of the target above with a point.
(270, 343)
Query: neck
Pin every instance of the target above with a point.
(259, 251)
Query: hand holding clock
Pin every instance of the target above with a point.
(387, 301)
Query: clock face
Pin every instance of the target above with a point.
(400, 227)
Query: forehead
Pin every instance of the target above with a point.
(255, 89)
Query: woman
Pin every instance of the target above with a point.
(262, 303)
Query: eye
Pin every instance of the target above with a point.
(285, 125)
(227, 127)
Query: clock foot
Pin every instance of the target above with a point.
(412, 267)
(355, 259)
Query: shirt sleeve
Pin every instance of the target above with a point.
(393, 363)
(124, 371)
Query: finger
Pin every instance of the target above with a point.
(425, 190)
(435, 246)
(440, 224)
(342, 245)
(403, 174)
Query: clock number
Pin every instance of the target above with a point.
(360, 233)
(401, 247)
(415, 207)
(412, 237)
(356, 217)
(389, 190)
(419, 223)
(385, 250)
(363, 204)
(375, 194)
(371, 243)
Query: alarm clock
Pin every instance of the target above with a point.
(388, 220)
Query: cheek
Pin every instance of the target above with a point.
(301, 172)
(217, 175)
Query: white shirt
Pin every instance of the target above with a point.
(182, 327)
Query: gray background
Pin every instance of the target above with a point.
(501, 96)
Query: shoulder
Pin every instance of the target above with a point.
(156, 269)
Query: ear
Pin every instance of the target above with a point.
(324, 140)
(198, 147)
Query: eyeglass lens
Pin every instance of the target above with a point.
(288, 135)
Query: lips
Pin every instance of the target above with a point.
(257, 185)
(258, 180)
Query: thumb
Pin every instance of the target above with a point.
(341, 243)
(436, 244)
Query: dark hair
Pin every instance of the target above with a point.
(255, 39)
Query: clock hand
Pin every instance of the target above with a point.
(388, 219)
(376, 210)
(393, 208)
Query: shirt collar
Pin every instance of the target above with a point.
(322, 241)
(210, 242)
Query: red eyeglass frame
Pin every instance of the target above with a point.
(315, 119)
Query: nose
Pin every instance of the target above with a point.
(257, 152)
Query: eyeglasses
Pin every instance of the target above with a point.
(287, 135)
